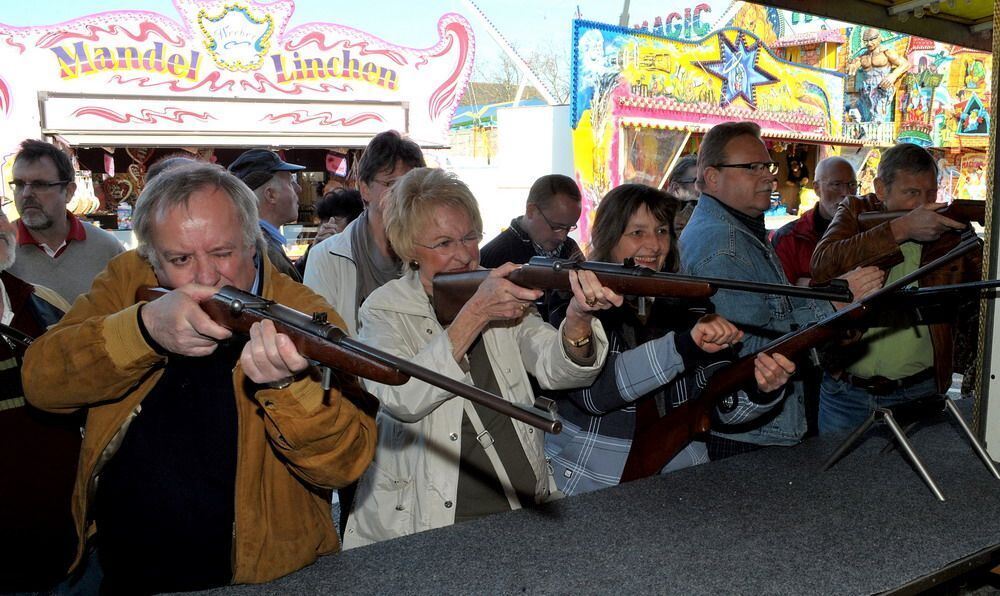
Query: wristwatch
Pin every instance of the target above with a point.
(578, 343)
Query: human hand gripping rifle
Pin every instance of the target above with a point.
(665, 438)
(453, 290)
(959, 210)
(330, 348)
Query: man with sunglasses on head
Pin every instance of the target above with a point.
(795, 241)
(726, 238)
(682, 184)
(54, 248)
(347, 267)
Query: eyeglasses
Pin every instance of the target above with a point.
(387, 183)
(19, 186)
(685, 181)
(450, 245)
(850, 187)
(756, 167)
(556, 227)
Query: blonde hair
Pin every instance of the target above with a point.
(408, 207)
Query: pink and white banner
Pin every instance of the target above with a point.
(225, 72)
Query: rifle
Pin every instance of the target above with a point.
(13, 336)
(331, 348)
(661, 440)
(959, 210)
(453, 290)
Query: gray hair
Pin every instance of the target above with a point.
(713, 146)
(408, 208)
(905, 157)
(173, 188)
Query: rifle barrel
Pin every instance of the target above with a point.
(832, 292)
(315, 339)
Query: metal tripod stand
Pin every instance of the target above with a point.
(911, 413)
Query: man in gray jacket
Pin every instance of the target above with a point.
(347, 267)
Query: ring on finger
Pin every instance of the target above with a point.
(591, 301)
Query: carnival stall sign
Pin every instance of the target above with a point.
(224, 73)
(638, 98)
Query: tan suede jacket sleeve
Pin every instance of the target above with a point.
(844, 246)
(325, 438)
(96, 353)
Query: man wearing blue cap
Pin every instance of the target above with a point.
(275, 183)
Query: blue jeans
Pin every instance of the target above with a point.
(844, 407)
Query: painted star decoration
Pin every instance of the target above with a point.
(738, 70)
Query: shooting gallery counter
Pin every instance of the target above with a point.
(766, 522)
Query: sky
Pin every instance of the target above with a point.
(527, 24)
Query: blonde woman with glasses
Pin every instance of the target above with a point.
(441, 459)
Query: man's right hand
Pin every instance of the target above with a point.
(177, 322)
(923, 224)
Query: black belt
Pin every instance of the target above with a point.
(878, 385)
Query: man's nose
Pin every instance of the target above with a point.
(465, 251)
(206, 273)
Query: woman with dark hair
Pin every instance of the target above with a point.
(335, 210)
(655, 346)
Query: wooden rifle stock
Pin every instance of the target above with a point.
(329, 346)
(659, 441)
(960, 210)
(453, 290)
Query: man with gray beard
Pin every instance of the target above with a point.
(38, 451)
(54, 248)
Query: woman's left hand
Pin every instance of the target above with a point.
(589, 296)
(772, 372)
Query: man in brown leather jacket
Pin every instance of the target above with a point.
(900, 361)
(206, 459)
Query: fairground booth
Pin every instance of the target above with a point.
(644, 96)
(123, 89)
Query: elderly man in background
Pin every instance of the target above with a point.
(550, 214)
(54, 248)
(215, 455)
(277, 188)
(795, 241)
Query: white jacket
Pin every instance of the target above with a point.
(413, 482)
(332, 273)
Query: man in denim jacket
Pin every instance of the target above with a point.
(726, 238)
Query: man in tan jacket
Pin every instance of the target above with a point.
(206, 459)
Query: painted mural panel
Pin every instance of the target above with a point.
(625, 79)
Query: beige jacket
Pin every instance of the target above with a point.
(413, 483)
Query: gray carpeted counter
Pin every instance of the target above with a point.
(769, 522)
